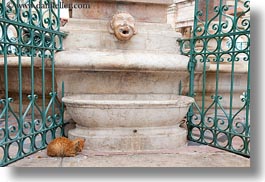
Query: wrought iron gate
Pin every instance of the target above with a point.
(219, 51)
(30, 114)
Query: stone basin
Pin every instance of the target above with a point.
(129, 122)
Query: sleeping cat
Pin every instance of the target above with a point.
(63, 147)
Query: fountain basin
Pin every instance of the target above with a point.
(128, 122)
(127, 110)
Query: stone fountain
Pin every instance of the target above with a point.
(122, 72)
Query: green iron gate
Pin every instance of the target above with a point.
(219, 51)
(30, 114)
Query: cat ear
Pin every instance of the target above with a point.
(76, 143)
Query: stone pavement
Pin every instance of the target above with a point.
(192, 155)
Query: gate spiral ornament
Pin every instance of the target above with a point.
(29, 118)
(221, 38)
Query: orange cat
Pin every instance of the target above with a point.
(63, 147)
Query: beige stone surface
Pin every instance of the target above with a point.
(166, 160)
(141, 10)
(128, 122)
(189, 156)
(38, 162)
(127, 110)
(145, 64)
(120, 72)
(121, 82)
(156, 37)
(122, 61)
(130, 63)
(184, 14)
(131, 140)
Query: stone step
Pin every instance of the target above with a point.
(120, 60)
(93, 34)
(142, 10)
(90, 24)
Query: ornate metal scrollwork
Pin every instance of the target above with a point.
(221, 37)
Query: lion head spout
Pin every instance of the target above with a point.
(122, 26)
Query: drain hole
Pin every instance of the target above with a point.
(135, 131)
